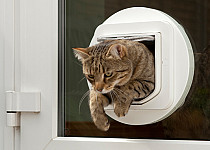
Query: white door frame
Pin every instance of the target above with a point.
(2, 101)
(31, 29)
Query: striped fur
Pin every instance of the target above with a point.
(120, 71)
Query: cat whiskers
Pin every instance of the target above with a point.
(77, 63)
(82, 99)
(116, 95)
(111, 96)
(81, 80)
(97, 99)
(120, 91)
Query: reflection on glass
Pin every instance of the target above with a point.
(191, 121)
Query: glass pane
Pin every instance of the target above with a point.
(191, 121)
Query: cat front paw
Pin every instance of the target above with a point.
(97, 103)
(101, 122)
(121, 109)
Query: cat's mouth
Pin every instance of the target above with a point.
(103, 91)
(106, 89)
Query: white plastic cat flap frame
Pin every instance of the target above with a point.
(174, 61)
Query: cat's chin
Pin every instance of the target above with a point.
(104, 91)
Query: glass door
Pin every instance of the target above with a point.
(190, 122)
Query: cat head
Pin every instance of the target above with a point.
(105, 65)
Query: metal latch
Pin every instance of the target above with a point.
(17, 102)
(133, 37)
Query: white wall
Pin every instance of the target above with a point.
(2, 97)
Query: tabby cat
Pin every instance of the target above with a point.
(119, 71)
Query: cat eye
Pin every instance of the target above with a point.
(108, 74)
(90, 76)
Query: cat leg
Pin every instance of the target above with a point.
(121, 107)
(122, 101)
(97, 103)
(127, 93)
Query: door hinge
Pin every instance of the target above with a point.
(17, 102)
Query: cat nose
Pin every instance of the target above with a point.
(99, 89)
(99, 86)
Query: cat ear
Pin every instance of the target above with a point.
(81, 53)
(117, 50)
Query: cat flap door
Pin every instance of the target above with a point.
(174, 61)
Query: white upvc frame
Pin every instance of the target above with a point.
(31, 47)
(2, 102)
(35, 69)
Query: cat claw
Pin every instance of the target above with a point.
(120, 114)
(104, 127)
(103, 124)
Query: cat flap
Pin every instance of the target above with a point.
(152, 41)
(174, 62)
(133, 37)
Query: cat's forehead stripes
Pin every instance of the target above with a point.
(96, 66)
(98, 53)
(100, 49)
(98, 56)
